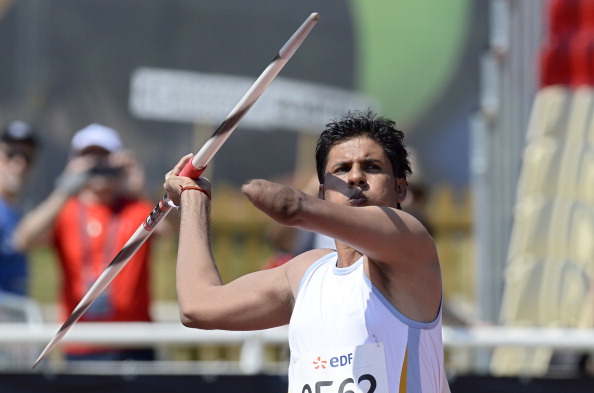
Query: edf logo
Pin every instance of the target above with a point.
(336, 361)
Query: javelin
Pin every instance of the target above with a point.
(193, 169)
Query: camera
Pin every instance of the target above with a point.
(105, 170)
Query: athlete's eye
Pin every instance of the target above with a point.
(372, 168)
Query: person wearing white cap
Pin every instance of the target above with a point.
(96, 135)
(95, 207)
(18, 148)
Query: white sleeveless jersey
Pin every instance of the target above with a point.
(345, 336)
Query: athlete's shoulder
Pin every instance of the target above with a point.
(296, 267)
(310, 257)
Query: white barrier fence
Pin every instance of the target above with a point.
(252, 354)
(174, 333)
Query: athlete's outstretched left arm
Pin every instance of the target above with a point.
(400, 251)
(380, 232)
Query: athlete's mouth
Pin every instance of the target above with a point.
(358, 199)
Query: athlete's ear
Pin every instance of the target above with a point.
(321, 191)
(401, 189)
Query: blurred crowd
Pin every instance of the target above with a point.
(96, 205)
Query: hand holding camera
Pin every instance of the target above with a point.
(120, 166)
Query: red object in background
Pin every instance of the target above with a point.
(564, 17)
(587, 16)
(580, 60)
(277, 260)
(555, 67)
(567, 57)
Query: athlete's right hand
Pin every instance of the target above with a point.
(174, 183)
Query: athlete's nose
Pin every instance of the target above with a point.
(357, 177)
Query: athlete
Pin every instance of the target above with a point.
(365, 317)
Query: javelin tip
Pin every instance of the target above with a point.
(47, 349)
(39, 359)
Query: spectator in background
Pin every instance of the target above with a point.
(18, 149)
(94, 209)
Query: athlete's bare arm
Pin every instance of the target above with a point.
(382, 233)
(259, 300)
(404, 265)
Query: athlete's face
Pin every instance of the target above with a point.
(359, 173)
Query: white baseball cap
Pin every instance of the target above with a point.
(96, 135)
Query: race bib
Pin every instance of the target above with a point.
(361, 369)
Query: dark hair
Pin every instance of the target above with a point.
(19, 132)
(364, 124)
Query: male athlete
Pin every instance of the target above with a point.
(365, 317)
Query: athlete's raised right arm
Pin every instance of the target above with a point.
(258, 300)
